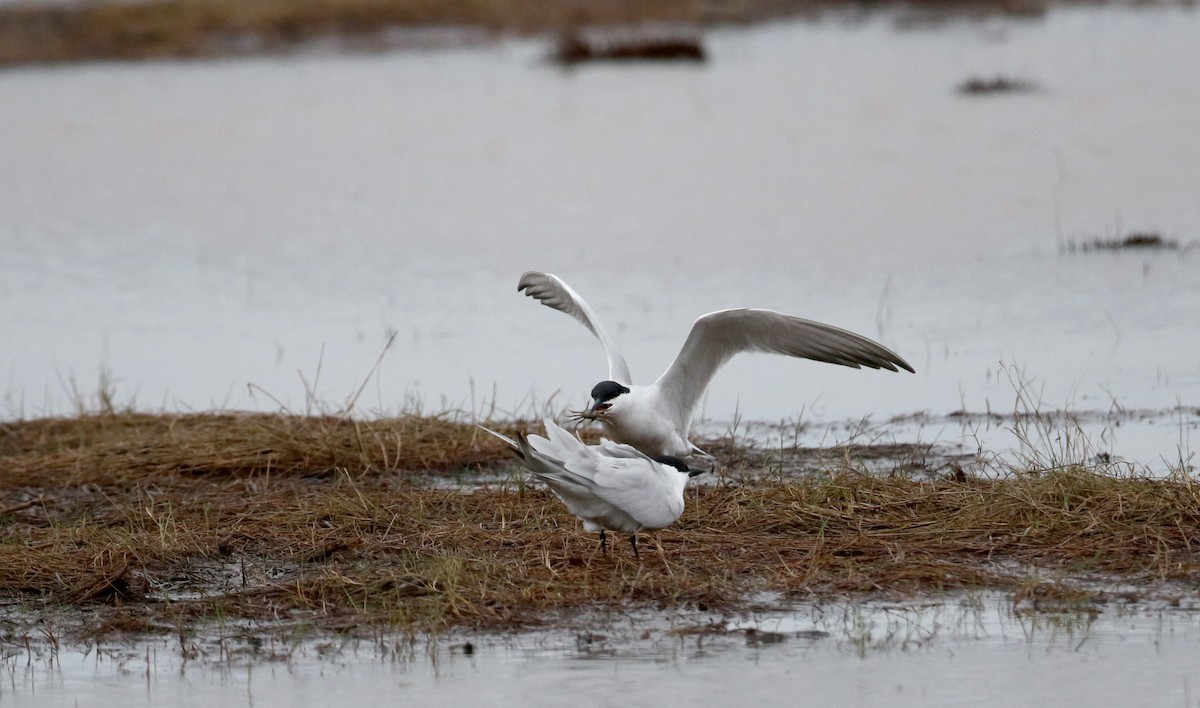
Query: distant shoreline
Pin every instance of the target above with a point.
(55, 32)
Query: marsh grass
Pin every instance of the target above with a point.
(159, 522)
(118, 29)
(199, 28)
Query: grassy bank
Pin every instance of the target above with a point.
(50, 33)
(132, 523)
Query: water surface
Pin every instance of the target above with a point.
(970, 650)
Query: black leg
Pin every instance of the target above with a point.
(633, 542)
(603, 543)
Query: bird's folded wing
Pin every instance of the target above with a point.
(558, 443)
(608, 448)
(640, 488)
(551, 291)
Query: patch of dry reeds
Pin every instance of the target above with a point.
(112, 448)
(154, 522)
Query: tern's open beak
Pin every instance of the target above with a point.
(592, 412)
(597, 409)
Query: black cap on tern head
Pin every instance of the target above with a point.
(607, 390)
(678, 464)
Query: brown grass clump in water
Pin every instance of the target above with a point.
(1136, 241)
(575, 47)
(979, 86)
(156, 522)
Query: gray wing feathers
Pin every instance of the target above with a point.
(559, 444)
(569, 487)
(615, 449)
(718, 336)
(551, 291)
(511, 443)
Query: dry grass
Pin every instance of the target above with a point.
(156, 522)
(44, 33)
(128, 447)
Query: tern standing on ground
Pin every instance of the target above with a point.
(609, 486)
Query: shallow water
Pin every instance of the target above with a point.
(955, 651)
(244, 233)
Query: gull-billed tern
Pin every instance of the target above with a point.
(609, 486)
(656, 418)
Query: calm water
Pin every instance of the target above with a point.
(238, 234)
(957, 652)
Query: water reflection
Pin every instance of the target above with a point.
(944, 650)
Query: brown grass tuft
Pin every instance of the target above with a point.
(109, 449)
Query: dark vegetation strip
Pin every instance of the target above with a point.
(74, 31)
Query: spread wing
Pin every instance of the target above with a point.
(551, 291)
(717, 336)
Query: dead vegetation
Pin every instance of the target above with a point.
(575, 47)
(43, 33)
(155, 523)
(1135, 241)
(987, 86)
(119, 29)
(127, 447)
